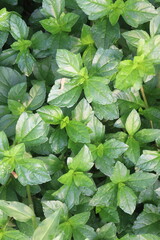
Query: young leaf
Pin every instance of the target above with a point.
(98, 130)
(133, 122)
(4, 19)
(82, 112)
(83, 161)
(120, 173)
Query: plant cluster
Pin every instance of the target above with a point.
(79, 120)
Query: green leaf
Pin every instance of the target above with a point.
(150, 49)
(49, 207)
(25, 62)
(18, 92)
(79, 219)
(51, 114)
(82, 112)
(134, 36)
(104, 34)
(15, 107)
(133, 122)
(8, 124)
(31, 130)
(147, 221)
(64, 95)
(47, 227)
(83, 232)
(107, 112)
(109, 214)
(86, 35)
(133, 151)
(97, 91)
(116, 10)
(98, 130)
(127, 76)
(6, 167)
(37, 95)
(67, 178)
(154, 26)
(147, 135)
(107, 231)
(105, 196)
(18, 27)
(126, 199)
(78, 132)
(14, 234)
(68, 194)
(149, 161)
(95, 8)
(4, 20)
(69, 63)
(140, 237)
(51, 25)
(4, 36)
(4, 144)
(83, 161)
(67, 21)
(31, 172)
(114, 148)
(141, 180)
(137, 12)
(17, 210)
(53, 8)
(58, 140)
(105, 62)
(8, 78)
(120, 173)
(82, 180)
(52, 163)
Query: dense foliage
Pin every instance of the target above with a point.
(79, 119)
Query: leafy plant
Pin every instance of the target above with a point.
(79, 119)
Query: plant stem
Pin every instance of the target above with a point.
(146, 103)
(30, 203)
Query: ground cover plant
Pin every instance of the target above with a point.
(79, 119)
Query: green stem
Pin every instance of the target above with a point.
(146, 103)
(30, 203)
